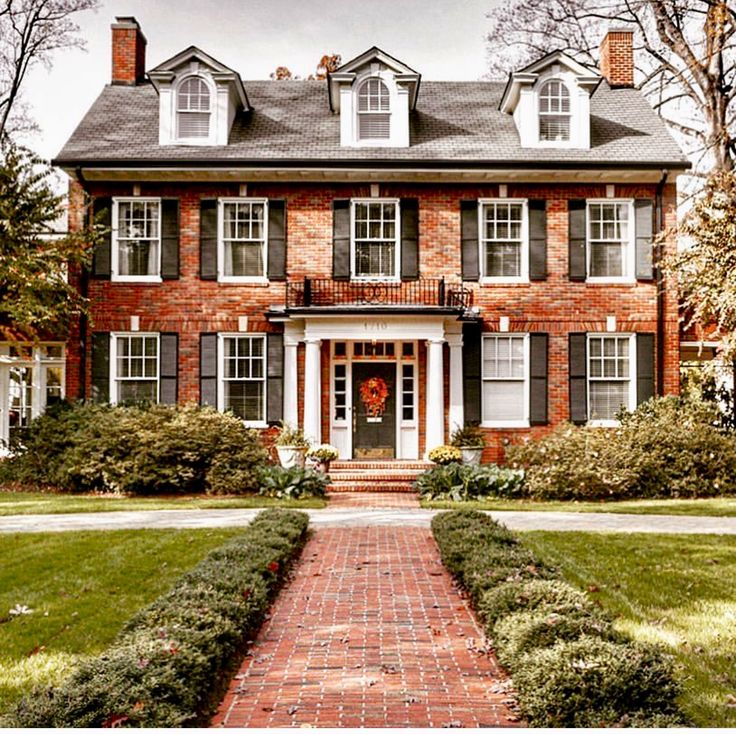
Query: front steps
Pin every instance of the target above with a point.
(375, 476)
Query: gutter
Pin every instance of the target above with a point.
(659, 278)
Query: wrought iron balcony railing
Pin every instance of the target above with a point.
(427, 292)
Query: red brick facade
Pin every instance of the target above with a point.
(128, 52)
(617, 58)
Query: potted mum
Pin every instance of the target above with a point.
(291, 446)
(469, 439)
(445, 455)
(322, 455)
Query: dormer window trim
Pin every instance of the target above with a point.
(212, 94)
(560, 98)
(369, 106)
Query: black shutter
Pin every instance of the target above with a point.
(469, 240)
(208, 369)
(169, 239)
(409, 239)
(577, 237)
(471, 372)
(578, 373)
(168, 368)
(644, 367)
(208, 239)
(538, 379)
(275, 375)
(102, 219)
(276, 239)
(341, 239)
(644, 228)
(537, 239)
(101, 366)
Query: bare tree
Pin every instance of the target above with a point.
(30, 31)
(327, 64)
(685, 55)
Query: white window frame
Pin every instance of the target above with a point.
(115, 249)
(396, 278)
(372, 141)
(114, 397)
(605, 423)
(523, 277)
(221, 373)
(221, 277)
(204, 140)
(541, 115)
(629, 255)
(525, 421)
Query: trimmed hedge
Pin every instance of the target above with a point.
(168, 665)
(570, 667)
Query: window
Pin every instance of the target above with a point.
(243, 238)
(375, 243)
(504, 251)
(374, 349)
(505, 380)
(554, 112)
(609, 376)
(136, 251)
(610, 249)
(340, 392)
(193, 108)
(135, 367)
(374, 116)
(407, 392)
(244, 377)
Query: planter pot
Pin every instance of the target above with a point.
(291, 456)
(323, 466)
(471, 454)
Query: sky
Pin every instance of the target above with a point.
(441, 39)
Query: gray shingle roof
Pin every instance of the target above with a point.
(455, 122)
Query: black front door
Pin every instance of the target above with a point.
(374, 410)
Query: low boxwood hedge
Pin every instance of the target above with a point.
(168, 665)
(569, 666)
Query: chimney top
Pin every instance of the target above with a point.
(617, 56)
(128, 51)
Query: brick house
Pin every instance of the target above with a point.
(375, 257)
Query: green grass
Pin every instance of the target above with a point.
(32, 503)
(717, 507)
(81, 587)
(678, 591)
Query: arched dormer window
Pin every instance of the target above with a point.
(374, 110)
(554, 111)
(193, 108)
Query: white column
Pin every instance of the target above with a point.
(312, 391)
(435, 412)
(455, 342)
(291, 389)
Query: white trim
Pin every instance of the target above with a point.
(523, 277)
(606, 423)
(114, 335)
(524, 422)
(397, 242)
(114, 247)
(243, 279)
(629, 255)
(221, 336)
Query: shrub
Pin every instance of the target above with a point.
(290, 436)
(155, 449)
(463, 482)
(445, 454)
(167, 666)
(470, 436)
(292, 483)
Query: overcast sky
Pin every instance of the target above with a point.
(441, 39)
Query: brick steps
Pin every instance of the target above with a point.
(375, 476)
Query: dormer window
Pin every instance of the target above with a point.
(554, 111)
(193, 108)
(374, 110)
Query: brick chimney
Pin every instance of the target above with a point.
(128, 51)
(617, 57)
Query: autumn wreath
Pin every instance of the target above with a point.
(373, 393)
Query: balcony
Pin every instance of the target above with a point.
(426, 294)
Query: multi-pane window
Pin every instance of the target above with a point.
(375, 238)
(136, 368)
(244, 377)
(137, 241)
(374, 349)
(193, 108)
(609, 239)
(609, 376)
(243, 249)
(340, 392)
(554, 111)
(407, 392)
(374, 110)
(504, 379)
(503, 239)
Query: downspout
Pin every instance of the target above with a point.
(659, 278)
(83, 319)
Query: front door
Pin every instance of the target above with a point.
(374, 410)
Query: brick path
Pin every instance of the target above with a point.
(369, 633)
(380, 500)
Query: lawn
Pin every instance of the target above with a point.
(678, 591)
(80, 588)
(717, 507)
(32, 503)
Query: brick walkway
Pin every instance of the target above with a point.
(369, 633)
(373, 500)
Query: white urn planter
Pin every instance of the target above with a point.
(290, 456)
(471, 454)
